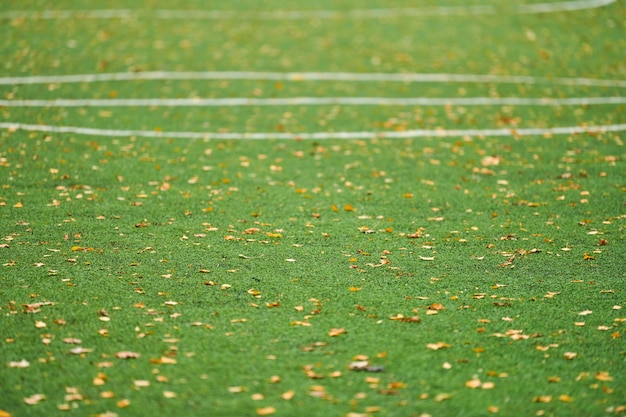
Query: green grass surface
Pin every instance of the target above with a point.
(247, 276)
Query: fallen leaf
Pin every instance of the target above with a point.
(80, 350)
(490, 161)
(265, 411)
(603, 376)
(288, 395)
(164, 360)
(436, 306)
(438, 345)
(358, 365)
(336, 332)
(127, 355)
(19, 364)
(473, 383)
(542, 399)
(442, 397)
(123, 403)
(34, 399)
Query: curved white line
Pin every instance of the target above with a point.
(305, 14)
(309, 76)
(315, 101)
(565, 130)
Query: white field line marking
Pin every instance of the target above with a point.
(561, 6)
(566, 130)
(309, 76)
(305, 14)
(315, 101)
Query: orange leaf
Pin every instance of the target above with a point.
(473, 383)
(265, 411)
(336, 332)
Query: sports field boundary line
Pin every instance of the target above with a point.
(411, 12)
(316, 101)
(309, 76)
(407, 134)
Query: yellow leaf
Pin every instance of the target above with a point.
(442, 397)
(164, 360)
(565, 398)
(604, 376)
(265, 411)
(473, 383)
(542, 399)
(123, 403)
(438, 345)
(336, 332)
(288, 395)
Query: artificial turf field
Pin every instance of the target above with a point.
(331, 208)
